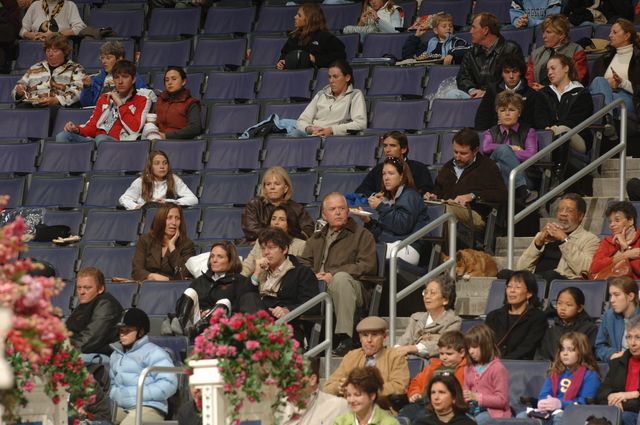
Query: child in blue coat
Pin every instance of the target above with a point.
(450, 48)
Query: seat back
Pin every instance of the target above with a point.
(114, 261)
(525, 379)
(275, 19)
(595, 292)
(265, 50)
(153, 53)
(112, 226)
(125, 293)
(14, 188)
(230, 85)
(290, 152)
(49, 191)
(459, 9)
(234, 154)
(399, 114)
(186, 155)
(171, 21)
(219, 52)
(64, 115)
(228, 188)
(523, 37)
(339, 181)
(71, 218)
(453, 113)
(7, 83)
(29, 52)
(228, 20)
(63, 299)
(66, 157)
(378, 44)
(125, 23)
(23, 123)
(500, 8)
(283, 110)
(18, 157)
(423, 147)
(105, 191)
(305, 185)
(222, 223)
(396, 81)
(341, 151)
(62, 258)
(122, 156)
(232, 119)
(578, 414)
(436, 74)
(339, 16)
(157, 299)
(275, 84)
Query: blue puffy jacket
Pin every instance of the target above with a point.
(89, 95)
(610, 333)
(125, 369)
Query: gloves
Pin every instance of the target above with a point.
(550, 404)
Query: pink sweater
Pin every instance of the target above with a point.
(492, 387)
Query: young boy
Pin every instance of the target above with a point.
(119, 114)
(451, 359)
(130, 357)
(511, 142)
(448, 46)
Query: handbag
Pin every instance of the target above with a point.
(618, 268)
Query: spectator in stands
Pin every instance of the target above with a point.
(616, 74)
(178, 112)
(362, 390)
(564, 249)
(157, 184)
(93, 322)
(93, 86)
(477, 71)
(395, 144)
(337, 109)
(583, 12)
(57, 80)
(562, 105)
(281, 283)
(390, 362)
(446, 403)
(281, 218)
(519, 324)
(573, 378)
(624, 244)
(570, 316)
(275, 189)
(377, 16)
(401, 210)
(161, 254)
(511, 71)
(445, 44)
(616, 9)
(531, 13)
(623, 298)
(45, 18)
(310, 44)
(321, 408)
(342, 254)
(425, 328)
(555, 37)
(486, 380)
(619, 387)
(511, 142)
(467, 178)
(9, 28)
(221, 285)
(119, 114)
(451, 360)
(130, 357)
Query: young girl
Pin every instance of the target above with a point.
(570, 317)
(623, 297)
(157, 184)
(377, 16)
(573, 377)
(486, 380)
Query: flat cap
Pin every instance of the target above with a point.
(372, 323)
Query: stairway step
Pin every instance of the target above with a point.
(614, 164)
(606, 187)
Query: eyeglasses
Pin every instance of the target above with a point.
(431, 292)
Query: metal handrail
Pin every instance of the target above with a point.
(143, 376)
(325, 345)
(394, 296)
(620, 148)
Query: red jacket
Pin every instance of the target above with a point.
(537, 70)
(607, 249)
(172, 111)
(418, 385)
(132, 116)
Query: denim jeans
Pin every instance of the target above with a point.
(600, 85)
(482, 418)
(553, 420)
(629, 418)
(67, 136)
(507, 160)
(455, 94)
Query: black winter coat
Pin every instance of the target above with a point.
(487, 117)
(94, 324)
(231, 286)
(583, 324)
(431, 419)
(298, 286)
(602, 63)
(372, 182)
(615, 382)
(524, 338)
(325, 46)
(478, 66)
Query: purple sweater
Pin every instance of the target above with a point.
(530, 143)
(492, 387)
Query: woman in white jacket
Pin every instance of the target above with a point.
(377, 16)
(337, 108)
(157, 184)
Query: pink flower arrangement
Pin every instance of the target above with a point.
(36, 345)
(252, 350)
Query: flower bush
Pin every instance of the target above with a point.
(36, 345)
(252, 350)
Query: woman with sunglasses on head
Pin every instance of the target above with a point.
(400, 208)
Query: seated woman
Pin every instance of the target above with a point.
(45, 18)
(519, 324)
(361, 389)
(337, 109)
(425, 328)
(446, 404)
(624, 244)
(162, 253)
(377, 16)
(275, 189)
(281, 218)
(562, 105)
(616, 73)
(620, 386)
(178, 112)
(401, 210)
(310, 44)
(157, 184)
(623, 298)
(93, 86)
(221, 286)
(57, 80)
(555, 36)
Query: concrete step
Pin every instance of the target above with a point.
(519, 245)
(607, 187)
(614, 164)
(471, 295)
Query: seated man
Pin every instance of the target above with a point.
(341, 254)
(395, 144)
(391, 363)
(119, 114)
(562, 250)
(467, 178)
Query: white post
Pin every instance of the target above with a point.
(206, 377)
(6, 374)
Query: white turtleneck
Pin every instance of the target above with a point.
(620, 63)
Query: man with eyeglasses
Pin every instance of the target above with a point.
(562, 249)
